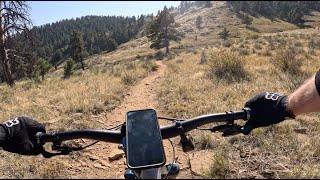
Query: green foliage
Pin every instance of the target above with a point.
(100, 33)
(160, 31)
(56, 58)
(224, 34)
(247, 20)
(295, 15)
(228, 66)
(219, 167)
(288, 60)
(77, 48)
(291, 11)
(69, 68)
(205, 4)
(41, 69)
(159, 55)
(184, 6)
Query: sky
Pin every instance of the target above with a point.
(43, 12)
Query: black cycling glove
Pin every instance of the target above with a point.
(267, 109)
(18, 136)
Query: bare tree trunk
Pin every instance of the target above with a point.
(3, 55)
(167, 41)
(82, 65)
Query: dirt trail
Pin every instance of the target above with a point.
(94, 161)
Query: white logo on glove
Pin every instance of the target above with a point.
(12, 122)
(273, 96)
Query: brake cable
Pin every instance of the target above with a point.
(171, 119)
(173, 160)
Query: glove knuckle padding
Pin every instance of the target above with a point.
(267, 108)
(21, 137)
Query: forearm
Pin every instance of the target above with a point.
(305, 99)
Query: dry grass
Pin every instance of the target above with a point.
(64, 104)
(279, 151)
(273, 152)
(220, 166)
(226, 66)
(288, 60)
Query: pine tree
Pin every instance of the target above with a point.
(69, 68)
(56, 58)
(247, 20)
(198, 22)
(77, 48)
(161, 32)
(43, 67)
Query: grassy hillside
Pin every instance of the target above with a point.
(231, 72)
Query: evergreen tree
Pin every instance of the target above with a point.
(69, 68)
(161, 32)
(43, 67)
(295, 16)
(198, 22)
(77, 48)
(56, 58)
(247, 20)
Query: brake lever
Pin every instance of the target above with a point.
(60, 148)
(228, 129)
(233, 129)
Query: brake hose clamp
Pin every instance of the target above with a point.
(230, 118)
(247, 110)
(179, 127)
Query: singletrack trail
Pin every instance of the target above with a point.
(94, 162)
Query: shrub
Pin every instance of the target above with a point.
(257, 46)
(298, 44)
(314, 43)
(149, 65)
(159, 55)
(205, 141)
(127, 77)
(219, 167)
(192, 50)
(252, 36)
(243, 52)
(226, 44)
(287, 60)
(203, 58)
(227, 66)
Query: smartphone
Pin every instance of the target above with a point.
(143, 139)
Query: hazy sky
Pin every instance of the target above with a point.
(43, 12)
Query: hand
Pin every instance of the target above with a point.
(267, 109)
(20, 136)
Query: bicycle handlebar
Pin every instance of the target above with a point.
(169, 131)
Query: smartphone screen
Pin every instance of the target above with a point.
(144, 141)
